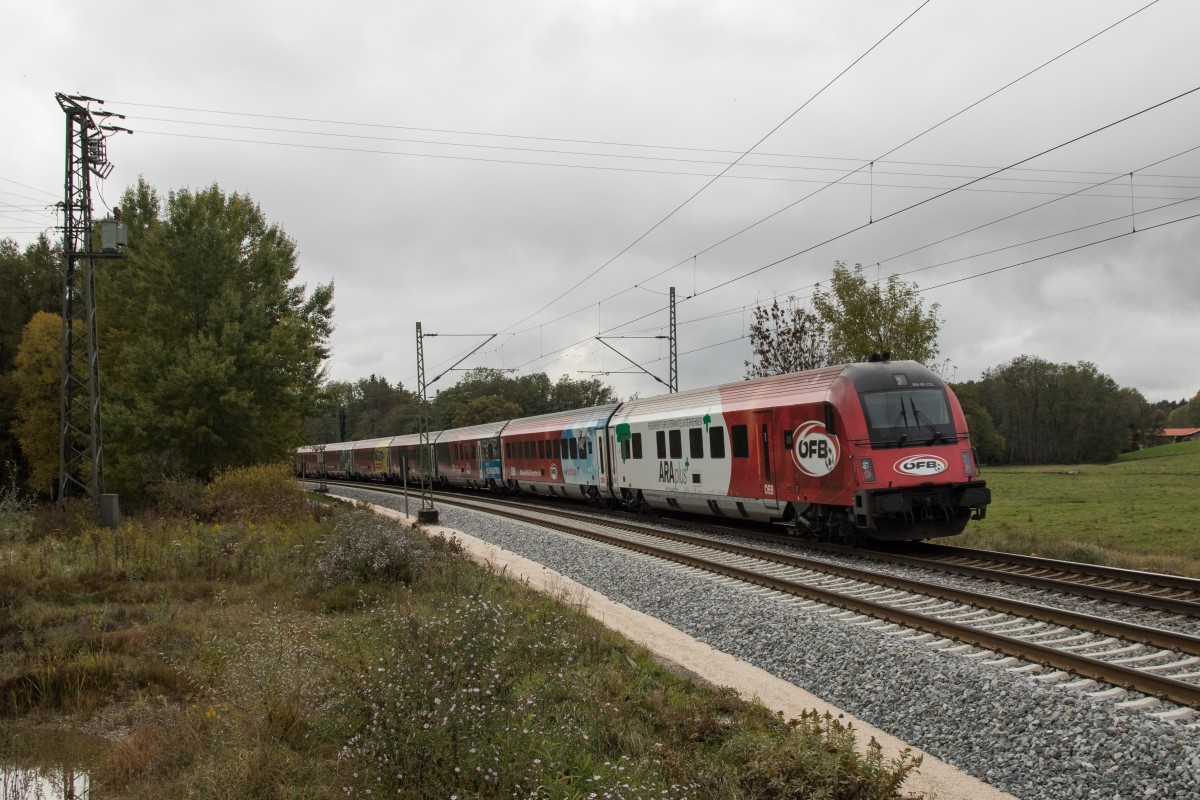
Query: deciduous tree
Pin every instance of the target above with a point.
(1186, 415)
(38, 366)
(490, 408)
(214, 355)
(1056, 413)
(864, 317)
(788, 338)
(30, 281)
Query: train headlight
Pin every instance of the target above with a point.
(968, 463)
(868, 470)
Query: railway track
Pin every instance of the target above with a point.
(1078, 650)
(1173, 594)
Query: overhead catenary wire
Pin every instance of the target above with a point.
(1150, 166)
(714, 179)
(876, 169)
(877, 176)
(992, 173)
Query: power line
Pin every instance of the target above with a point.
(1012, 216)
(714, 179)
(1004, 268)
(594, 154)
(824, 184)
(950, 191)
(910, 141)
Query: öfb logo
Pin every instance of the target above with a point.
(815, 452)
(921, 466)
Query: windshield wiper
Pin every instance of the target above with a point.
(903, 415)
(918, 417)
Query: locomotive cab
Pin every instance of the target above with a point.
(916, 468)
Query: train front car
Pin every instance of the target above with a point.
(915, 468)
(844, 453)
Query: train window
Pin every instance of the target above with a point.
(557, 447)
(637, 445)
(696, 442)
(589, 447)
(541, 448)
(914, 414)
(660, 441)
(574, 448)
(676, 438)
(529, 451)
(508, 449)
(473, 451)
(740, 440)
(716, 441)
(624, 449)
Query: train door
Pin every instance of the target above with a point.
(608, 478)
(764, 431)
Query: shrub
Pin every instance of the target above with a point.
(179, 497)
(818, 756)
(77, 515)
(16, 521)
(365, 547)
(262, 492)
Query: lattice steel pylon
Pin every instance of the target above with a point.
(81, 450)
(674, 357)
(426, 513)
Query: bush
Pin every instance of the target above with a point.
(76, 516)
(262, 492)
(179, 497)
(16, 521)
(365, 547)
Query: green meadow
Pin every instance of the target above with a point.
(1140, 512)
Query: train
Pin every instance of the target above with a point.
(876, 450)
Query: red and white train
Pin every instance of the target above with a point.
(876, 450)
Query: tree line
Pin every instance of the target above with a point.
(1032, 411)
(212, 357)
(1027, 411)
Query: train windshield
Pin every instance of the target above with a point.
(908, 416)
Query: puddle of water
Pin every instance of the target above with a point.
(55, 783)
(47, 765)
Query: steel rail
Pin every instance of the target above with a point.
(1116, 674)
(1057, 584)
(1156, 579)
(1142, 634)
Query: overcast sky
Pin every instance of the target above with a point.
(504, 167)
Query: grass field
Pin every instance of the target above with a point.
(266, 646)
(1142, 511)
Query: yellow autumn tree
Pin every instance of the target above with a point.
(37, 377)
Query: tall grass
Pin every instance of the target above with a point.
(255, 646)
(1137, 513)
